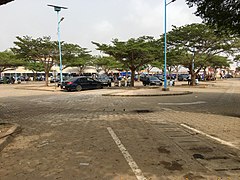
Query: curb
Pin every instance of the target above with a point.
(38, 89)
(135, 95)
(6, 138)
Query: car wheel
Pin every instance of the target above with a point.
(79, 88)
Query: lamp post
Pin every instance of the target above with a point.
(58, 9)
(165, 44)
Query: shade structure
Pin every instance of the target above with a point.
(5, 1)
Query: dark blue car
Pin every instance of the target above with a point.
(81, 83)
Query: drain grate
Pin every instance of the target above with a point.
(198, 156)
(143, 111)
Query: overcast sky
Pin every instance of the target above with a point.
(90, 20)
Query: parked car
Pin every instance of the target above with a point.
(105, 80)
(151, 80)
(171, 76)
(81, 83)
(5, 80)
(53, 80)
(160, 77)
(228, 76)
(183, 77)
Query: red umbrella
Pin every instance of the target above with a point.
(5, 1)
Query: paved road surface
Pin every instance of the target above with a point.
(83, 135)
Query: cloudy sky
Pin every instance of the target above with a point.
(90, 20)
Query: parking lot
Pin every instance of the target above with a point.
(84, 135)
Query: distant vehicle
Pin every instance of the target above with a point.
(53, 80)
(81, 83)
(183, 77)
(40, 78)
(171, 76)
(5, 80)
(151, 80)
(105, 80)
(228, 76)
(159, 76)
(1, 80)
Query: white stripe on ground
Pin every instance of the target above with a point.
(138, 173)
(182, 104)
(212, 137)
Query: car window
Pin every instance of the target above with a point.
(72, 79)
(83, 79)
(90, 79)
(153, 78)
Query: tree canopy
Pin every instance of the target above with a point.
(9, 61)
(197, 44)
(75, 56)
(41, 50)
(225, 14)
(133, 53)
(106, 63)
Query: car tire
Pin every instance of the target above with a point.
(79, 88)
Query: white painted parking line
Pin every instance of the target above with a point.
(138, 173)
(182, 104)
(212, 137)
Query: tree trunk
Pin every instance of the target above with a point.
(34, 75)
(193, 79)
(132, 77)
(205, 73)
(46, 78)
(47, 69)
(193, 75)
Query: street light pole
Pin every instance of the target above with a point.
(59, 46)
(58, 9)
(165, 44)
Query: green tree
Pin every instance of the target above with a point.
(197, 44)
(41, 50)
(106, 63)
(133, 53)
(237, 58)
(217, 62)
(9, 61)
(76, 56)
(225, 14)
(35, 67)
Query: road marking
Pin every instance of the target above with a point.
(182, 104)
(212, 137)
(138, 173)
